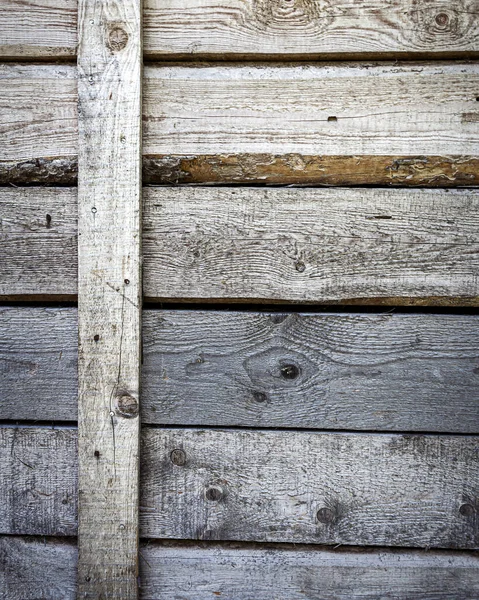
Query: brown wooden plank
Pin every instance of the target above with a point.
(264, 28)
(109, 296)
(334, 488)
(46, 568)
(38, 29)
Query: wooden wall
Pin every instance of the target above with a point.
(310, 261)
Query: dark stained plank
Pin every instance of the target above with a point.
(326, 488)
(268, 28)
(399, 372)
(38, 481)
(320, 245)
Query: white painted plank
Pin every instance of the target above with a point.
(109, 296)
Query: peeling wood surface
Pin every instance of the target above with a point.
(38, 481)
(305, 28)
(38, 29)
(342, 109)
(46, 567)
(109, 296)
(346, 371)
(268, 486)
(38, 241)
(333, 488)
(316, 245)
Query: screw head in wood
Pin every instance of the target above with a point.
(214, 493)
(325, 515)
(178, 457)
(467, 510)
(290, 371)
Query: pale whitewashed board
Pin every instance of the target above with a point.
(390, 371)
(109, 296)
(45, 568)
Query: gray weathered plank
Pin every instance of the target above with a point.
(38, 481)
(333, 124)
(34, 568)
(37, 568)
(251, 29)
(316, 245)
(38, 242)
(38, 29)
(109, 296)
(332, 488)
(202, 572)
(396, 372)
(268, 486)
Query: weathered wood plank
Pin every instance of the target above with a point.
(399, 372)
(234, 572)
(413, 124)
(38, 29)
(33, 568)
(316, 245)
(109, 296)
(38, 481)
(332, 488)
(38, 363)
(38, 112)
(268, 486)
(38, 242)
(317, 109)
(251, 29)
(321, 371)
(45, 568)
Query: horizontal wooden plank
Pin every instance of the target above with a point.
(325, 245)
(396, 372)
(38, 29)
(234, 28)
(331, 124)
(45, 568)
(317, 245)
(334, 488)
(268, 486)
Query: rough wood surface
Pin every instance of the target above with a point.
(37, 568)
(261, 28)
(38, 29)
(316, 245)
(312, 109)
(334, 488)
(409, 124)
(109, 296)
(38, 481)
(38, 241)
(320, 371)
(372, 372)
(34, 568)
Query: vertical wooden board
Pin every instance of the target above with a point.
(38, 481)
(38, 29)
(304, 487)
(109, 296)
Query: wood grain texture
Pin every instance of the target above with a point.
(234, 572)
(38, 363)
(38, 481)
(303, 28)
(38, 241)
(320, 371)
(33, 568)
(333, 488)
(46, 568)
(316, 245)
(38, 113)
(311, 109)
(367, 372)
(109, 296)
(38, 29)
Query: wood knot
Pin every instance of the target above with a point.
(127, 406)
(214, 493)
(290, 371)
(117, 39)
